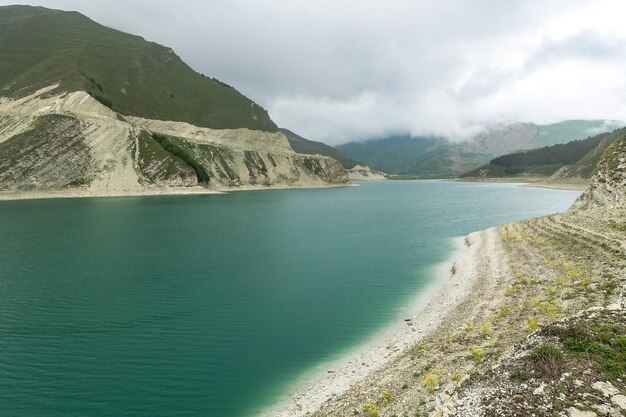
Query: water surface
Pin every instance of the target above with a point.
(214, 305)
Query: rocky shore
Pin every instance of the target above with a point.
(529, 320)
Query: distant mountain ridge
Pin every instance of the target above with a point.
(437, 157)
(574, 160)
(542, 162)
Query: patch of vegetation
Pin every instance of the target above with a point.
(221, 158)
(387, 396)
(272, 161)
(547, 360)
(156, 164)
(621, 227)
(603, 344)
(178, 151)
(255, 164)
(52, 141)
(532, 324)
(370, 409)
(477, 352)
(432, 379)
(313, 165)
(80, 182)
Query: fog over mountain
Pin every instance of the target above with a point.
(347, 70)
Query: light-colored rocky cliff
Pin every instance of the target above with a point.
(365, 173)
(608, 187)
(71, 141)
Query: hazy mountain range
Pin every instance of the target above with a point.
(440, 157)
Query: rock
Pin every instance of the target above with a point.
(605, 410)
(620, 401)
(539, 390)
(575, 412)
(449, 389)
(606, 388)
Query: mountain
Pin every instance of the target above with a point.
(309, 147)
(585, 167)
(538, 162)
(40, 47)
(438, 157)
(403, 155)
(91, 109)
(608, 186)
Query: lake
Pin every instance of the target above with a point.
(215, 305)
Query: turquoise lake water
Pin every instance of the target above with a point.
(215, 305)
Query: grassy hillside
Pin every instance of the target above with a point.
(309, 147)
(538, 162)
(585, 167)
(436, 157)
(404, 155)
(40, 47)
(576, 159)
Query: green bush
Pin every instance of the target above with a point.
(547, 360)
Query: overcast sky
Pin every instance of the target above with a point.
(340, 70)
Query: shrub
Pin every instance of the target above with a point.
(550, 309)
(370, 409)
(547, 360)
(477, 352)
(486, 329)
(458, 376)
(387, 396)
(432, 380)
(532, 324)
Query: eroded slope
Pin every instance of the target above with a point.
(71, 141)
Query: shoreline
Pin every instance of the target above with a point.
(537, 182)
(152, 192)
(416, 320)
(74, 193)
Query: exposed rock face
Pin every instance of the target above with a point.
(70, 140)
(608, 188)
(365, 173)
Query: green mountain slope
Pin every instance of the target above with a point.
(404, 155)
(538, 162)
(40, 47)
(436, 157)
(585, 167)
(310, 147)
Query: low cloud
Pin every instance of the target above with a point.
(356, 69)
